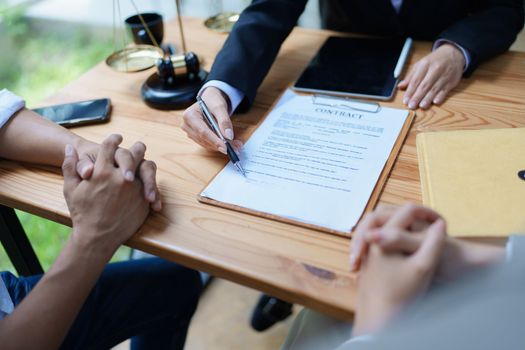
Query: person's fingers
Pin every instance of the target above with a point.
(193, 136)
(193, 116)
(420, 71)
(238, 145)
(359, 243)
(403, 84)
(106, 153)
(138, 150)
(126, 163)
(431, 76)
(157, 206)
(427, 101)
(69, 170)
(419, 225)
(441, 96)
(200, 131)
(393, 239)
(129, 160)
(148, 174)
(218, 104)
(219, 109)
(85, 166)
(445, 90)
(410, 213)
(428, 255)
(203, 143)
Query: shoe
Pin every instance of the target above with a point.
(268, 311)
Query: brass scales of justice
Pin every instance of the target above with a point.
(178, 78)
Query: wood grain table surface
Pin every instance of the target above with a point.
(297, 264)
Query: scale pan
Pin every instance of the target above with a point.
(134, 58)
(223, 22)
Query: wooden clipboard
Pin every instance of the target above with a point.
(372, 201)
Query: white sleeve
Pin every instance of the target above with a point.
(235, 95)
(9, 105)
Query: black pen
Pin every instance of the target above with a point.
(212, 123)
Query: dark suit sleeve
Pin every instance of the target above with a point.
(489, 30)
(253, 44)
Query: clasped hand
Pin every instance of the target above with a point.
(130, 162)
(398, 252)
(108, 204)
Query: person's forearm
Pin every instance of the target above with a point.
(30, 138)
(51, 308)
(244, 65)
(489, 30)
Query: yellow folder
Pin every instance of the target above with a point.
(474, 179)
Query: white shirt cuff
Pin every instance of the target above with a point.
(465, 53)
(235, 95)
(9, 105)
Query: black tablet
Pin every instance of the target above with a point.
(355, 67)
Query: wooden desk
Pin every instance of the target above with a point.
(296, 264)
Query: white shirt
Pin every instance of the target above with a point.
(9, 105)
(236, 96)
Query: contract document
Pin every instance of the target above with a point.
(310, 163)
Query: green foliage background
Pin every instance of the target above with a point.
(35, 63)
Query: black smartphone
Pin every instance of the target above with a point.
(77, 113)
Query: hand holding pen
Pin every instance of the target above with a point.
(212, 123)
(195, 127)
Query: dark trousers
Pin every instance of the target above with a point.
(150, 301)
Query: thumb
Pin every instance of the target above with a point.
(69, 169)
(85, 167)
(219, 104)
(223, 117)
(402, 84)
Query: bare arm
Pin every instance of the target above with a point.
(106, 211)
(50, 309)
(30, 138)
